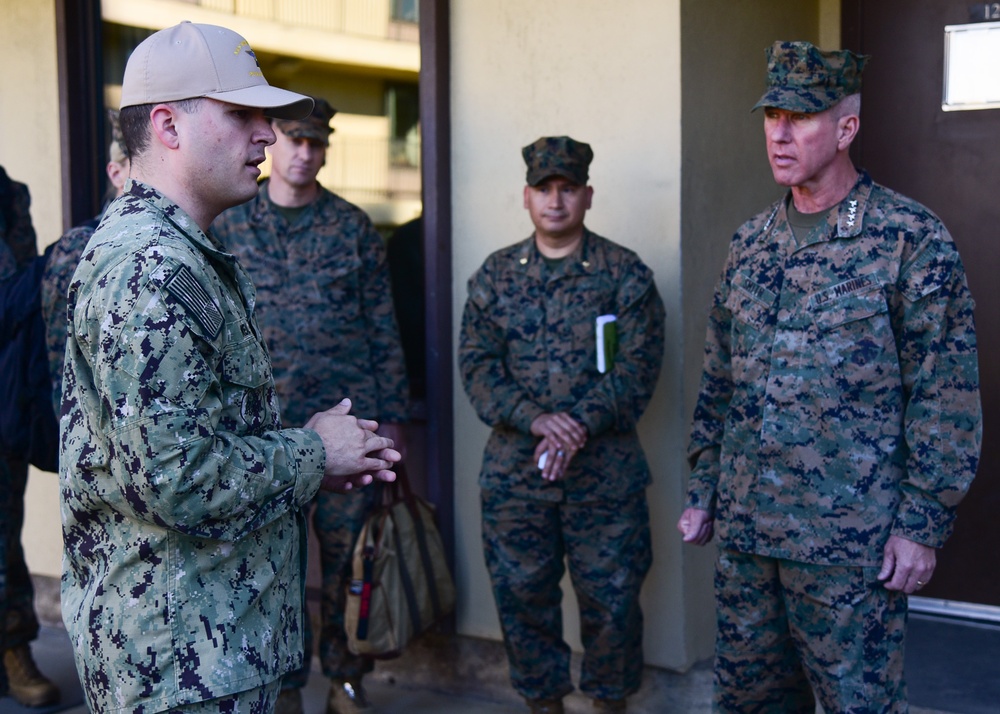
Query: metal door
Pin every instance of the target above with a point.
(950, 161)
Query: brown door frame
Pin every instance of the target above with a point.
(435, 119)
(82, 143)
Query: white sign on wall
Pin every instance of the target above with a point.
(971, 66)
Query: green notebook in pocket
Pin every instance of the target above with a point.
(607, 342)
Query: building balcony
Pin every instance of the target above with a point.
(346, 50)
(383, 19)
(344, 33)
(382, 176)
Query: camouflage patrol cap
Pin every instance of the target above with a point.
(316, 126)
(557, 156)
(803, 78)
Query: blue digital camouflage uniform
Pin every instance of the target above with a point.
(17, 609)
(59, 269)
(324, 305)
(839, 404)
(527, 347)
(18, 246)
(181, 498)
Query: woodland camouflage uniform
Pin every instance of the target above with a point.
(839, 405)
(527, 347)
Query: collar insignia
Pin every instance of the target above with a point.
(852, 213)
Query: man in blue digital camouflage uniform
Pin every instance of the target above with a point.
(19, 675)
(839, 422)
(181, 495)
(528, 359)
(324, 306)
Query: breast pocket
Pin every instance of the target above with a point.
(246, 363)
(247, 386)
(839, 313)
(578, 350)
(337, 279)
(855, 332)
(524, 327)
(331, 309)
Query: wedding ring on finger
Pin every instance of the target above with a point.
(920, 583)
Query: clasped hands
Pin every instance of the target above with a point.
(355, 454)
(562, 436)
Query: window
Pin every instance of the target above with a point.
(403, 109)
(406, 10)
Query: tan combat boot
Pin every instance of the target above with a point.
(347, 696)
(27, 685)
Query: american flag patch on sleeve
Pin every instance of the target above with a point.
(195, 299)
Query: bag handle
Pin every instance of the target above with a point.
(425, 552)
(400, 491)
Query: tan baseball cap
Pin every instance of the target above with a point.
(191, 60)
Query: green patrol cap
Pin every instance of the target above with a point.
(803, 78)
(316, 126)
(557, 156)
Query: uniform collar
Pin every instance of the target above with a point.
(176, 215)
(263, 205)
(529, 260)
(851, 212)
(206, 243)
(847, 217)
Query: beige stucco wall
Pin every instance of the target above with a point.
(29, 109)
(29, 151)
(609, 74)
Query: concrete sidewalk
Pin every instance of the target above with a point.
(442, 674)
(438, 675)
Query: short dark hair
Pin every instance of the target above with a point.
(134, 123)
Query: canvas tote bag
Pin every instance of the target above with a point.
(400, 584)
